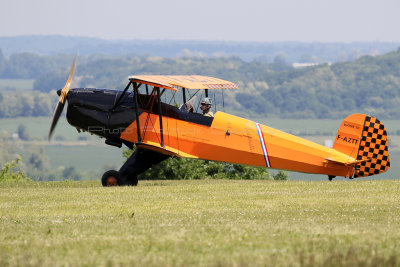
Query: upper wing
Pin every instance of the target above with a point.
(184, 81)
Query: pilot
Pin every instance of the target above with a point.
(206, 107)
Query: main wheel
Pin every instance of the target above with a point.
(111, 178)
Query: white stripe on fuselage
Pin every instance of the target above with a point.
(262, 141)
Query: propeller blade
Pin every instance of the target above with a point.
(67, 85)
(56, 116)
(63, 96)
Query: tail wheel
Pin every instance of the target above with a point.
(111, 178)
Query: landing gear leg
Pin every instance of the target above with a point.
(330, 177)
(140, 161)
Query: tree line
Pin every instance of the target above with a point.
(27, 104)
(368, 85)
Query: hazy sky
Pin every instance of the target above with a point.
(246, 20)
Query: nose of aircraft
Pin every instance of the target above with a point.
(94, 110)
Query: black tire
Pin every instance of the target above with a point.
(111, 178)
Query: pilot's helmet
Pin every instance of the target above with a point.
(206, 101)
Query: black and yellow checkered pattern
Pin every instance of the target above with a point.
(373, 149)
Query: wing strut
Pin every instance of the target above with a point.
(121, 96)
(184, 95)
(135, 90)
(160, 116)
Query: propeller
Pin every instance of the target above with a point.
(63, 96)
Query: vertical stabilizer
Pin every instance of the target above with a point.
(364, 139)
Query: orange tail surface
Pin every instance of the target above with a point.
(364, 138)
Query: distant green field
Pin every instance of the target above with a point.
(85, 158)
(94, 157)
(38, 128)
(200, 223)
(16, 84)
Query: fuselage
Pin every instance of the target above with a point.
(224, 138)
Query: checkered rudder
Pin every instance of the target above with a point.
(373, 151)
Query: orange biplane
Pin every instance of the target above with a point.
(146, 114)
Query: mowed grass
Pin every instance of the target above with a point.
(206, 222)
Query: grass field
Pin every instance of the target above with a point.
(207, 223)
